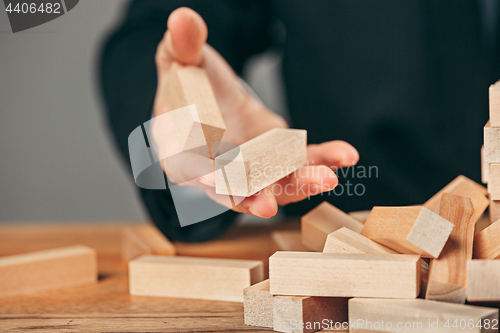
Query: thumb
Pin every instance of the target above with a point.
(186, 36)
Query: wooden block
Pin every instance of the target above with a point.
(384, 315)
(487, 243)
(260, 162)
(495, 104)
(288, 240)
(347, 241)
(485, 168)
(189, 85)
(491, 143)
(189, 277)
(410, 230)
(483, 223)
(344, 274)
(145, 239)
(304, 314)
(322, 221)
(483, 280)
(494, 181)
(258, 305)
(464, 187)
(48, 269)
(448, 274)
(361, 215)
(494, 210)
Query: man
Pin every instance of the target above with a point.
(403, 82)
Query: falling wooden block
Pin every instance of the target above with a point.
(347, 241)
(410, 230)
(464, 187)
(483, 280)
(494, 181)
(260, 162)
(49, 269)
(196, 278)
(384, 315)
(187, 85)
(485, 168)
(305, 314)
(487, 243)
(258, 305)
(491, 143)
(145, 239)
(322, 221)
(288, 240)
(495, 104)
(361, 215)
(448, 274)
(494, 210)
(344, 274)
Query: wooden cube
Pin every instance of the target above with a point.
(410, 230)
(483, 280)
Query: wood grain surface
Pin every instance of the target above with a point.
(107, 305)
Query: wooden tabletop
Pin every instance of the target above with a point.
(107, 306)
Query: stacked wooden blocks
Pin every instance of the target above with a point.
(490, 153)
(373, 273)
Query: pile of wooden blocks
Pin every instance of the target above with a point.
(391, 269)
(490, 153)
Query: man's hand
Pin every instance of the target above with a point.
(245, 118)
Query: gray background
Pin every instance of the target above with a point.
(56, 159)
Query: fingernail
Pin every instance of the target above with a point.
(252, 211)
(328, 187)
(348, 162)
